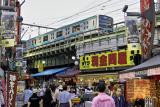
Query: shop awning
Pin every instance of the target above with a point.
(68, 73)
(50, 72)
(153, 62)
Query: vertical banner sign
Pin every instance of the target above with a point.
(8, 22)
(147, 27)
(131, 23)
(12, 78)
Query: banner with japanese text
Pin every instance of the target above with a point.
(147, 27)
(8, 28)
(106, 59)
(12, 78)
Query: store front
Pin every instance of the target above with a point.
(144, 80)
(92, 79)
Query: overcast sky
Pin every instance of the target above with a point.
(49, 12)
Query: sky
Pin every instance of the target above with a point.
(51, 13)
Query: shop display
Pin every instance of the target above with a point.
(140, 88)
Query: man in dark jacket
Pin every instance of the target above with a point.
(119, 98)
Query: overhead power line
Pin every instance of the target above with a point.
(120, 8)
(80, 12)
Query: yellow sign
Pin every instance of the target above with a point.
(106, 59)
(40, 67)
(8, 42)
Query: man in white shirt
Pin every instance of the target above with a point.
(64, 97)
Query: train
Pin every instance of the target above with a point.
(103, 23)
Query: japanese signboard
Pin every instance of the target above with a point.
(105, 59)
(12, 78)
(8, 30)
(147, 27)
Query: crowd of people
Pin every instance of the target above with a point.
(61, 96)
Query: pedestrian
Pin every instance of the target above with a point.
(47, 98)
(88, 96)
(26, 95)
(102, 100)
(72, 92)
(34, 100)
(54, 96)
(64, 98)
(119, 98)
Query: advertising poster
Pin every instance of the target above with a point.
(12, 78)
(147, 27)
(132, 26)
(19, 53)
(8, 22)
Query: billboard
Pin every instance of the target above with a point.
(147, 27)
(105, 60)
(8, 29)
(132, 26)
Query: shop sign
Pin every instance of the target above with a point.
(19, 53)
(157, 20)
(147, 27)
(141, 73)
(154, 71)
(128, 75)
(12, 78)
(8, 28)
(104, 60)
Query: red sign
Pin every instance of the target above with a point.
(95, 61)
(122, 58)
(12, 78)
(112, 58)
(103, 60)
(147, 27)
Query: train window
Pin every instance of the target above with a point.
(45, 38)
(32, 42)
(40, 40)
(53, 36)
(76, 28)
(59, 34)
(87, 22)
(87, 27)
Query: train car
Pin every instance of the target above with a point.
(101, 23)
